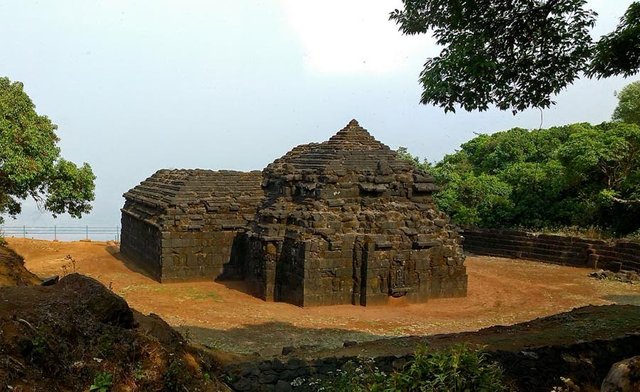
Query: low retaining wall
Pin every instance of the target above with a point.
(289, 374)
(580, 252)
(535, 369)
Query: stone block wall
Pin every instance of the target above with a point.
(196, 255)
(289, 278)
(290, 374)
(329, 272)
(259, 266)
(141, 241)
(579, 252)
(198, 216)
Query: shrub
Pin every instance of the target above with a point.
(102, 382)
(454, 369)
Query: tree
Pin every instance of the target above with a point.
(514, 54)
(576, 175)
(607, 156)
(628, 109)
(618, 53)
(30, 162)
(403, 153)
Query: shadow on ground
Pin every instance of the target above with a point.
(131, 265)
(633, 299)
(237, 285)
(270, 338)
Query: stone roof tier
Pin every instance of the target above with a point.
(168, 187)
(351, 149)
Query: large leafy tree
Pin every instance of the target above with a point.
(618, 53)
(628, 109)
(30, 162)
(575, 175)
(514, 54)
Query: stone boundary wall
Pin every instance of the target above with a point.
(282, 374)
(592, 358)
(579, 252)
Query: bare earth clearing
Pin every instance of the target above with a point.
(220, 315)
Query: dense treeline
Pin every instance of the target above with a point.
(576, 175)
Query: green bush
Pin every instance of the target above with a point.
(102, 382)
(579, 175)
(454, 369)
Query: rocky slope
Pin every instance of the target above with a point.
(77, 334)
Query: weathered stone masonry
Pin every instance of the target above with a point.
(343, 221)
(614, 255)
(182, 224)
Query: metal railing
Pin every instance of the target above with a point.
(67, 232)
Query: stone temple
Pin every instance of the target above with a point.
(340, 222)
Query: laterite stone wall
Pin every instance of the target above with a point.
(184, 224)
(579, 252)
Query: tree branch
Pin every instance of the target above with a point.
(625, 201)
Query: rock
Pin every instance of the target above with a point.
(630, 277)
(295, 363)
(103, 304)
(244, 384)
(267, 378)
(349, 343)
(624, 376)
(529, 354)
(277, 364)
(286, 350)
(282, 386)
(50, 281)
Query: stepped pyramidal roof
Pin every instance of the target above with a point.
(352, 148)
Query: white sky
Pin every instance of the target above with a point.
(139, 86)
(352, 37)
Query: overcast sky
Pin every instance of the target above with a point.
(136, 86)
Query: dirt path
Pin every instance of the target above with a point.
(501, 292)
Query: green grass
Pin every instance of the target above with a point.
(455, 369)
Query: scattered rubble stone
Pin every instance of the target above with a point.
(631, 277)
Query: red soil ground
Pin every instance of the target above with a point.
(221, 315)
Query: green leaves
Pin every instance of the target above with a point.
(70, 189)
(511, 54)
(575, 175)
(618, 53)
(30, 163)
(474, 199)
(514, 54)
(628, 109)
(457, 369)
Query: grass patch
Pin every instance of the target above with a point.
(456, 369)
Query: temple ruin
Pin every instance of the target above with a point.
(182, 224)
(340, 222)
